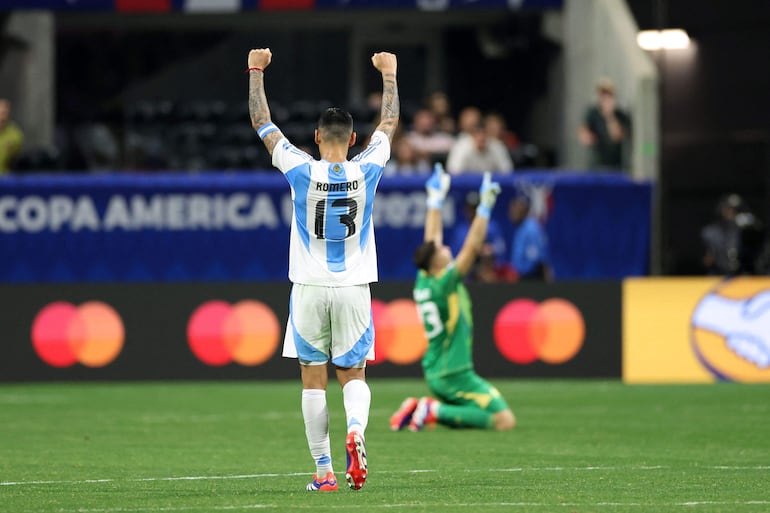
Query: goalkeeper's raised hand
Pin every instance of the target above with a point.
(487, 196)
(437, 186)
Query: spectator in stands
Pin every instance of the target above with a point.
(477, 152)
(497, 128)
(99, 146)
(490, 270)
(430, 143)
(529, 245)
(406, 161)
(735, 243)
(11, 138)
(606, 129)
(721, 238)
(469, 118)
(438, 104)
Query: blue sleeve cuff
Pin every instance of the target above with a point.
(264, 130)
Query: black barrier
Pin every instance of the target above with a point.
(599, 304)
(235, 331)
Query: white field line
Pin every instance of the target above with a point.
(409, 471)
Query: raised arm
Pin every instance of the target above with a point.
(436, 187)
(478, 230)
(386, 64)
(259, 60)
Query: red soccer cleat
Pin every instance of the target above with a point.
(423, 415)
(356, 451)
(327, 484)
(403, 415)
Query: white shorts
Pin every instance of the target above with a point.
(330, 323)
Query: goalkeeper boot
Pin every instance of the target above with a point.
(356, 452)
(423, 415)
(327, 484)
(403, 415)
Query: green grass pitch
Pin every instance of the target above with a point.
(580, 446)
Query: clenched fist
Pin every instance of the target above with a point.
(384, 62)
(260, 58)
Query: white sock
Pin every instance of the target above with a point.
(317, 429)
(357, 398)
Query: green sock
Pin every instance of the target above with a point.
(464, 417)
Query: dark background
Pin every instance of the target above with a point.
(715, 117)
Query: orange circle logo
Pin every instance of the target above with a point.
(730, 330)
(552, 331)
(91, 334)
(246, 333)
(398, 331)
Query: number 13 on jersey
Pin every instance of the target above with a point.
(346, 219)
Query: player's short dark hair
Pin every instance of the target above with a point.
(336, 124)
(424, 254)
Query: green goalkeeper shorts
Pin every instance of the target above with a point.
(468, 389)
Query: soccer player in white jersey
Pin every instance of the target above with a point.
(332, 261)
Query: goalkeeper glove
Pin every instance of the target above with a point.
(437, 186)
(487, 195)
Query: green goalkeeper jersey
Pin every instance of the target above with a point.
(445, 309)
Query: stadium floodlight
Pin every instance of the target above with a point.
(668, 39)
(675, 39)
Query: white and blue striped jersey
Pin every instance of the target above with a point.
(332, 235)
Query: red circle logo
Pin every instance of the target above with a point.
(219, 333)
(399, 332)
(552, 331)
(64, 334)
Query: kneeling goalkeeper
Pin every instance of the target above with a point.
(463, 398)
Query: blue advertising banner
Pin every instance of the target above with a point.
(235, 226)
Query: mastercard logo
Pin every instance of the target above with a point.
(552, 331)
(246, 333)
(730, 330)
(64, 334)
(399, 333)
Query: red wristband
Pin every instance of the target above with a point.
(255, 69)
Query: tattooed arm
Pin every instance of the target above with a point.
(259, 60)
(386, 64)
